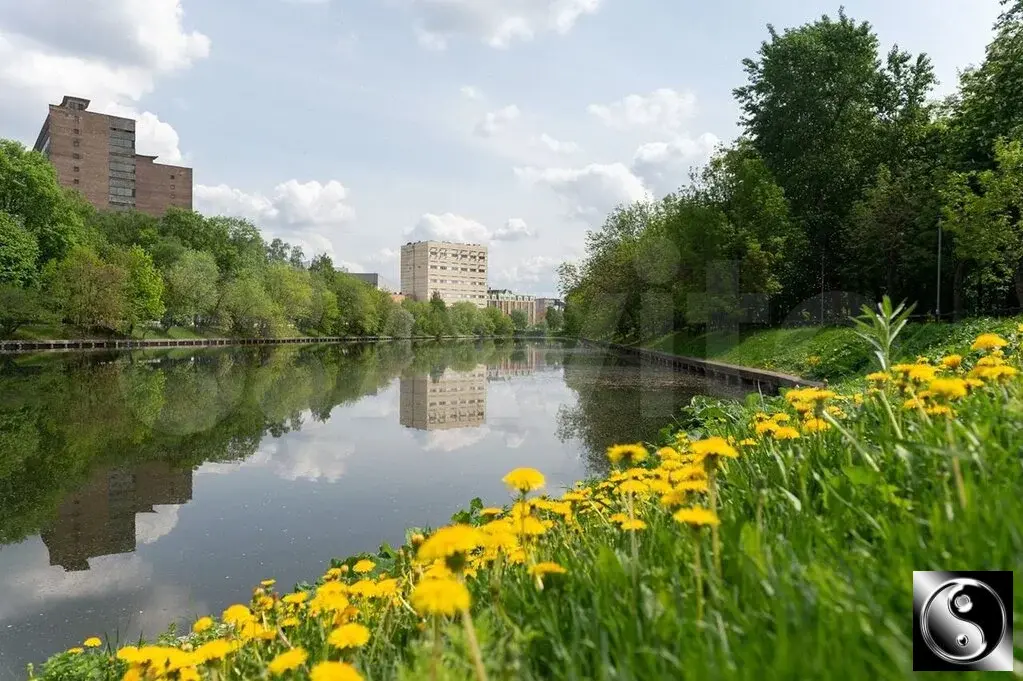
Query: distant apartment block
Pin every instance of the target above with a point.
(523, 362)
(455, 399)
(94, 153)
(374, 280)
(506, 302)
(458, 272)
(544, 304)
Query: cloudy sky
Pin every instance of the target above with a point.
(353, 126)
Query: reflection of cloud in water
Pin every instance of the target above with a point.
(151, 526)
(450, 440)
(311, 454)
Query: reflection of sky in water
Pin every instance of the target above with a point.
(332, 488)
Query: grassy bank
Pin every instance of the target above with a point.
(775, 539)
(832, 353)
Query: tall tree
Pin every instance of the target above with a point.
(19, 252)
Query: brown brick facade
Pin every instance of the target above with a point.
(94, 154)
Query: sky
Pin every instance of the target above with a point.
(351, 127)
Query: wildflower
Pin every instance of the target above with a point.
(974, 383)
(267, 583)
(940, 410)
(688, 473)
(780, 417)
(335, 573)
(202, 624)
(633, 487)
(816, 425)
(667, 453)
(949, 388)
(633, 524)
(334, 671)
(188, 674)
(288, 660)
(858, 399)
(618, 517)
(680, 494)
(349, 636)
(628, 453)
(988, 341)
(546, 568)
(364, 566)
(714, 446)
(1019, 328)
(697, 516)
(995, 359)
(297, 598)
(449, 541)
(922, 373)
(364, 588)
(765, 427)
(835, 411)
(524, 480)
(440, 597)
(237, 615)
(289, 622)
(76, 650)
(92, 642)
(785, 433)
(993, 373)
(913, 403)
(491, 512)
(952, 361)
(387, 587)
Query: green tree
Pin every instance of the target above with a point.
(399, 323)
(555, 318)
(464, 318)
(20, 306)
(291, 290)
(19, 252)
(87, 291)
(248, 308)
(519, 319)
(500, 322)
(143, 287)
(191, 288)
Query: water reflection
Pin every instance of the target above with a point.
(138, 490)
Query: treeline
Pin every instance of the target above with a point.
(849, 182)
(62, 262)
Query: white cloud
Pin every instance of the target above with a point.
(457, 228)
(497, 121)
(515, 229)
(110, 52)
(151, 526)
(302, 213)
(590, 192)
(533, 270)
(662, 109)
(498, 23)
(665, 166)
(450, 440)
(469, 92)
(557, 146)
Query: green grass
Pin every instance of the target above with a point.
(832, 353)
(818, 540)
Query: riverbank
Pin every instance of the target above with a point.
(773, 539)
(823, 353)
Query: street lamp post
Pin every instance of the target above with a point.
(937, 303)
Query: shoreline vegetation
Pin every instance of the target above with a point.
(763, 539)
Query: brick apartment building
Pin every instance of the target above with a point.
(94, 153)
(507, 302)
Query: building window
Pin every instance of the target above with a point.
(76, 156)
(74, 143)
(76, 180)
(75, 169)
(76, 131)
(172, 195)
(172, 187)
(172, 176)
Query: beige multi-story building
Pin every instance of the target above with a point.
(506, 302)
(456, 399)
(544, 304)
(94, 154)
(458, 272)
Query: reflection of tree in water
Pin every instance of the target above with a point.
(618, 401)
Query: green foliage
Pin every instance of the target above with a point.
(191, 287)
(555, 318)
(882, 327)
(519, 319)
(19, 252)
(20, 306)
(143, 287)
(87, 291)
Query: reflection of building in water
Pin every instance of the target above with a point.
(522, 362)
(99, 519)
(455, 399)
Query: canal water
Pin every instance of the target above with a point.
(142, 490)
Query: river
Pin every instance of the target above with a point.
(143, 489)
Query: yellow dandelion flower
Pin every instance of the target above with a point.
(667, 453)
(188, 674)
(765, 427)
(363, 566)
(440, 597)
(940, 410)
(633, 525)
(714, 446)
(634, 453)
(952, 361)
(993, 360)
(988, 341)
(785, 433)
(922, 373)
(747, 442)
(878, 377)
(696, 516)
(974, 383)
(694, 472)
(289, 622)
(780, 417)
(618, 517)
(334, 671)
(216, 649)
(449, 541)
(816, 425)
(949, 388)
(547, 568)
(633, 487)
(333, 573)
(524, 480)
(913, 403)
(349, 636)
(387, 587)
(202, 624)
(297, 598)
(267, 583)
(237, 615)
(1019, 328)
(92, 642)
(491, 512)
(288, 660)
(76, 650)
